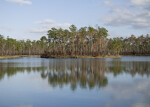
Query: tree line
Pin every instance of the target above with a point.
(90, 41)
(10, 46)
(72, 42)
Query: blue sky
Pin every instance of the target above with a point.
(30, 19)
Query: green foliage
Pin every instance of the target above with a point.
(117, 45)
(87, 41)
(10, 46)
(77, 42)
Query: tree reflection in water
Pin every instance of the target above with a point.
(84, 73)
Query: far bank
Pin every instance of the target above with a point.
(17, 56)
(111, 56)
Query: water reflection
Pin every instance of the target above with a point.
(132, 67)
(83, 73)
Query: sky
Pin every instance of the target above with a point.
(31, 19)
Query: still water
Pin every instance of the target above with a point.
(105, 82)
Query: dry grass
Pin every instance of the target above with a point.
(17, 56)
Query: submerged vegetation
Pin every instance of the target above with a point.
(83, 42)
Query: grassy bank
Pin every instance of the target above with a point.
(17, 56)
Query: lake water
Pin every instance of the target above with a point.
(110, 82)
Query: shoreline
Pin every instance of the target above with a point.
(17, 56)
(59, 57)
(107, 56)
(63, 57)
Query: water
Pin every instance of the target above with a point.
(110, 82)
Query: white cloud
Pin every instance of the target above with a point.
(108, 3)
(46, 21)
(47, 24)
(140, 105)
(24, 106)
(135, 13)
(140, 2)
(27, 2)
(8, 29)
